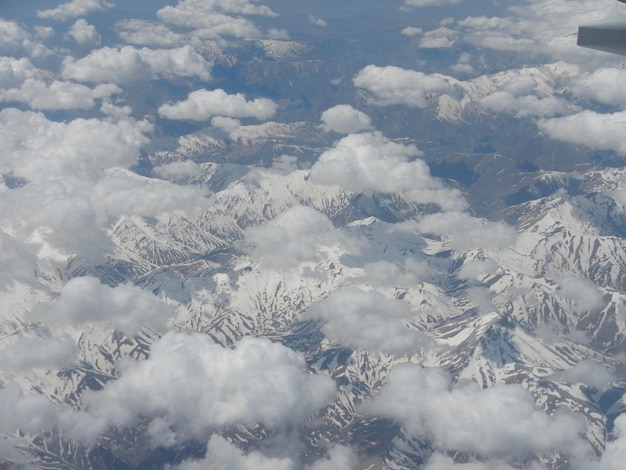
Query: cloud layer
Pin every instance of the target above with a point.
(255, 382)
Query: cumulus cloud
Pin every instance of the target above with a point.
(464, 231)
(74, 8)
(126, 308)
(496, 33)
(74, 183)
(189, 9)
(440, 38)
(502, 422)
(20, 81)
(589, 128)
(84, 34)
(441, 462)
(412, 31)
(538, 26)
(122, 192)
(14, 72)
(28, 413)
(588, 373)
(257, 381)
(583, 295)
(477, 268)
(393, 85)
(201, 105)
(148, 33)
(463, 65)
(58, 148)
(429, 3)
(38, 349)
(361, 319)
(339, 458)
(387, 273)
(300, 235)
(72, 214)
(57, 94)
(524, 106)
(175, 170)
(521, 96)
(223, 455)
(16, 41)
(357, 161)
(317, 21)
(602, 85)
(214, 18)
(129, 64)
(613, 456)
(344, 119)
(226, 124)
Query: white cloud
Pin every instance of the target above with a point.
(221, 454)
(428, 3)
(463, 65)
(344, 119)
(464, 231)
(496, 33)
(194, 8)
(613, 456)
(588, 373)
(524, 106)
(225, 123)
(285, 164)
(32, 350)
(257, 381)
(31, 414)
(84, 34)
(57, 94)
(204, 104)
(75, 182)
(540, 27)
(357, 162)
(392, 85)
(122, 192)
(386, 273)
(317, 21)
(58, 148)
(74, 8)
(20, 81)
(148, 33)
(521, 95)
(129, 64)
(126, 308)
(212, 19)
(499, 422)
(412, 31)
(300, 235)
(44, 32)
(589, 128)
(603, 85)
(339, 458)
(441, 462)
(361, 319)
(477, 268)
(14, 72)
(440, 38)
(16, 41)
(73, 213)
(584, 295)
(175, 170)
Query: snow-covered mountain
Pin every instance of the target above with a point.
(224, 244)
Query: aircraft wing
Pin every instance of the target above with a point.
(606, 35)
